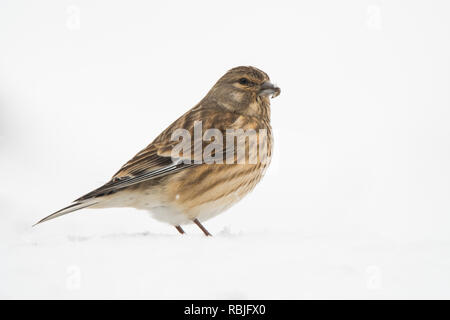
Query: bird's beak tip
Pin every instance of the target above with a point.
(276, 92)
(268, 88)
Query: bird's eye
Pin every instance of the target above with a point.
(244, 81)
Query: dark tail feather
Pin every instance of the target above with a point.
(73, 207)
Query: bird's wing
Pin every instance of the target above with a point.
(156, 159)
(139, 170)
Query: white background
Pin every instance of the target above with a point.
(355, 204)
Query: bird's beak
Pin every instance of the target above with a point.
(267, 89)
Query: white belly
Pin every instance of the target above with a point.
(169, 212)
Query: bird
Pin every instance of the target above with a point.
(181, 188)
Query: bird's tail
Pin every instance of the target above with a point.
(73, 207)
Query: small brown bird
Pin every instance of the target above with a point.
(213, 172)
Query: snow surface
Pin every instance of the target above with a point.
(356, 201)
(238, 265)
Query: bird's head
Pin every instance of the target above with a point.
(242, 87)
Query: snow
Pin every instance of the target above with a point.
(354, 205)
(123, 253)
(237, 265)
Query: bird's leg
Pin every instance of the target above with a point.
(180, 229)
(202, 227)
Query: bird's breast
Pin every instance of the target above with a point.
(208, 189)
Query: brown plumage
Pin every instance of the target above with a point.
(181, 188)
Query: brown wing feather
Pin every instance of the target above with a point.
(155, 160)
